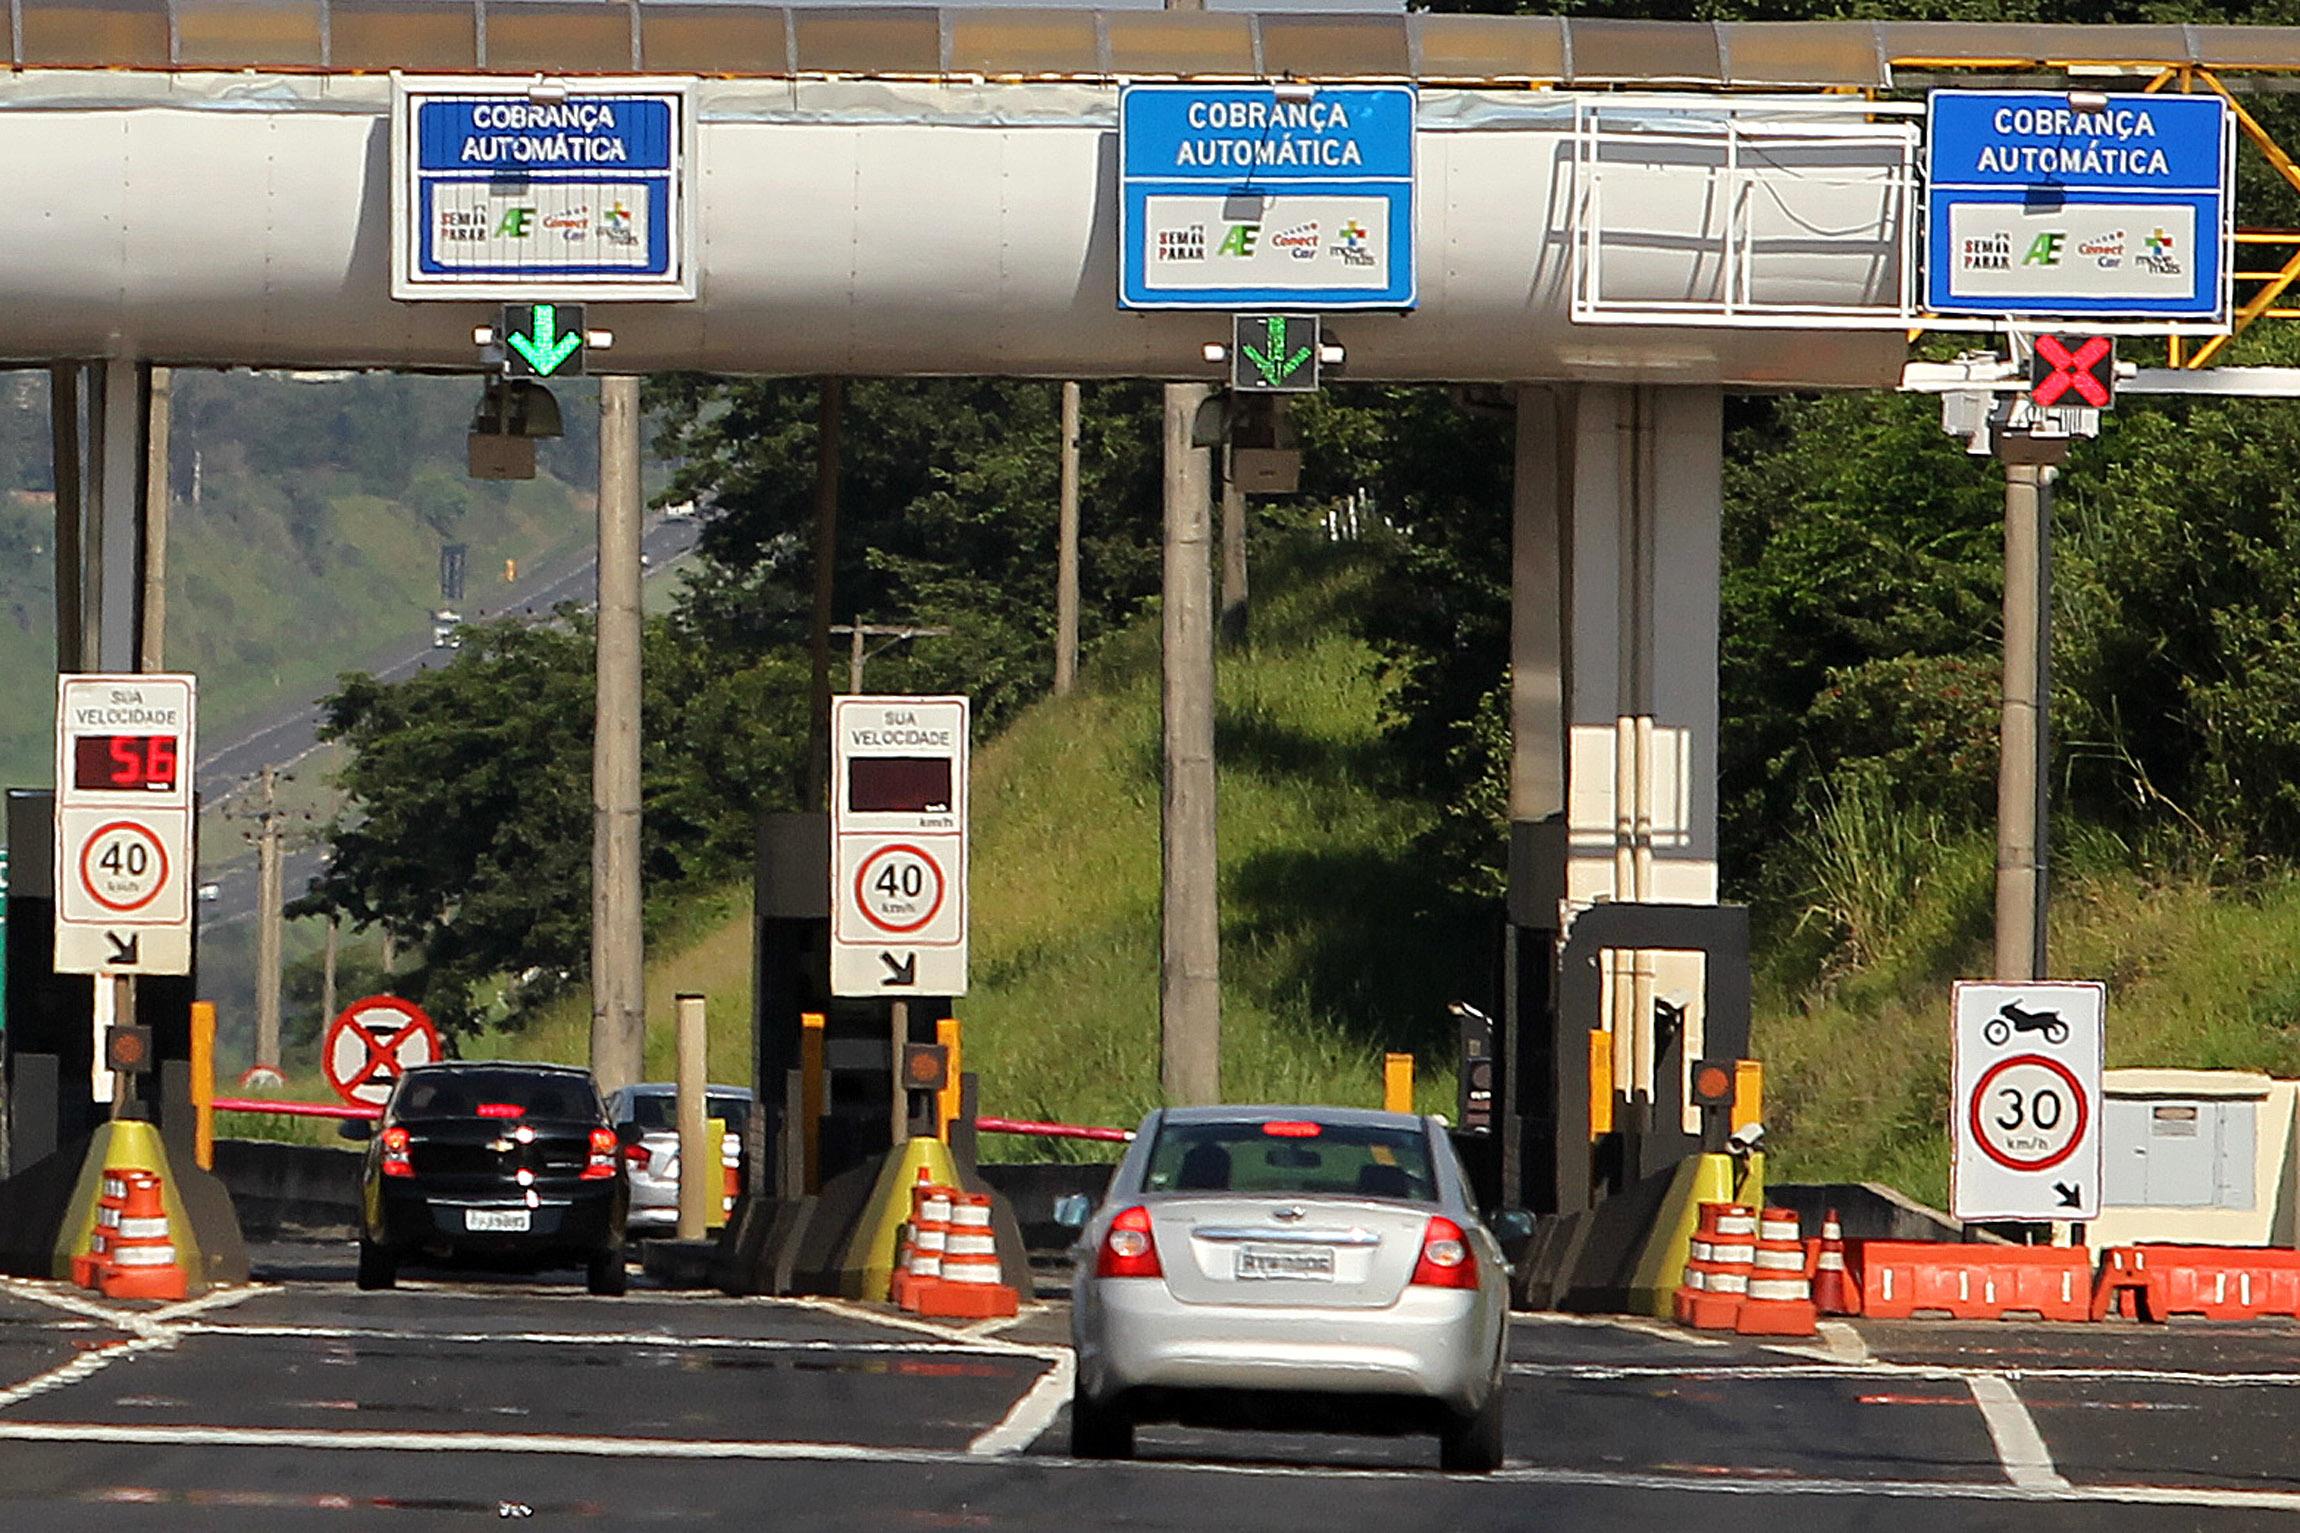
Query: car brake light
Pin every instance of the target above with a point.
(395, 1156)
(1129, 1250)
(604, 1149)
(501, 1110)
(638, 1155)
(1446, 1259)
(1292, 1128)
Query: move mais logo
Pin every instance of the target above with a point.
(2160, 254)
(1353, 244)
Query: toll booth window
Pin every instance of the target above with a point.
(1338, 1160)
(899, 784)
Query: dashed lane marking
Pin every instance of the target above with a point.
(2020, 1446)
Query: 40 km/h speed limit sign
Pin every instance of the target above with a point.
(2025, 1119)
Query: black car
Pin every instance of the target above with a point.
(508, 1166)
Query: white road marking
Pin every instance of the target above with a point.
(64, 1375)
(987, 1349)
(1636, 1325)
(207, 1303)
(81, 1432)
(961, 1335)
(1734, 1373)
(2020, 1446)
(1032, 1414)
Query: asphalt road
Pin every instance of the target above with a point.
(289, 733)
(304, 1404)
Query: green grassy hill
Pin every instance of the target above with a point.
(1339, 939)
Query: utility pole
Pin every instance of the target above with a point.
(1066, 553)
(618, 948)
(893, 633)
(327, 970)
(1189, 968)
(153, 636)
(270, 897)
(831, 417)
(1233, 625)
(2024, 728)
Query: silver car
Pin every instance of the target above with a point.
(654, 1159)
(1315, 1267)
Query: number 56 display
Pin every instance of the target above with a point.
(2024, 1119)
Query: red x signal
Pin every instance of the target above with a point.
(2089, 369)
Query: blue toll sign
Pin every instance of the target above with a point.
(2044, 203)
(502, 195)
(1246, 196)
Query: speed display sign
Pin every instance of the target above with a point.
(124, 746)
(2025, 1116)
(898, 845)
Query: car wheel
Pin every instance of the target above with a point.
(377, 1269)
(1099, 1431)
(1472, 1444)
(606, 1275)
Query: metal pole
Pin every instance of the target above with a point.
(327, 971)
(269, 898)
(832, 413)
(2023, 725)
(898, 1028)
(1189, 969)
(64, 450)
(153, 639)
(618, 951)
(1234, 620)
(123, 1015)
(855, 657)
(1066, 553)
(698, 1157)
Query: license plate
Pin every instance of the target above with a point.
(498, 1220)
(1311, 1263)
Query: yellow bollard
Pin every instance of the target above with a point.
(1397, 1083)
(204, 1084)
(946, 1033)
(811, 1096)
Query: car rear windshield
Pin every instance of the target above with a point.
(1291, 1156)
(658, 1113)
(494, 1093)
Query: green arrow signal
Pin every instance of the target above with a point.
(1276, 365)
(548, 350)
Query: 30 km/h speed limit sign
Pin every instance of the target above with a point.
(2025, 1120)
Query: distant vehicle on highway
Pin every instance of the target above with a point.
(509, 1166)
(1312, 1267)
(210, 893)
(444, 622)
(651, 1108)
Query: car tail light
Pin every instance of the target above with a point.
(638, 1155)
(395, 1157)
(1446, 1259)
(1129, 1250)
(501, 1110)
(604, 1149)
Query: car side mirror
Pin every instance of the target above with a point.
(1072, 1210)
(628, 1133)
(357, 1130)
(1511, 1225)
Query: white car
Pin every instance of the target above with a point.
(1314, 1267)
(653, 1160)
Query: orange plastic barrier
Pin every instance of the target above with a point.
(1723, 1250)
(2214, 1282)
(1899, 1279)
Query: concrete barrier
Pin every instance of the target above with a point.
(291, 1191)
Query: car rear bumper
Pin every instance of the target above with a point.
(1433, 1344)
(564, 1221)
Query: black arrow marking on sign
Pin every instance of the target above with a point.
(2070, 1197)
(903, 973)
(124, 952)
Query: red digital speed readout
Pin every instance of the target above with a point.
(128, 763)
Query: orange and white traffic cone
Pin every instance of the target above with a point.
(88, 1266)
(898, 1284)
(143, 1263)
(1833, 1290)
(971, 1288)
(1732, 1245)
(1780, 1301)
(928, 1242)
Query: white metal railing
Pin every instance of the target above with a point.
(1738, 159)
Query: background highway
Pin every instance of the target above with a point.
(300, 1403)
(289, 733)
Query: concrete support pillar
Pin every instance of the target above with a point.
(1189, 969)
(618, 949)
(119, 401)
(64, 379)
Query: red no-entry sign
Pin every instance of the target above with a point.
(372, 1043)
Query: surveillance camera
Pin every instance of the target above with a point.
(1747, 1139)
